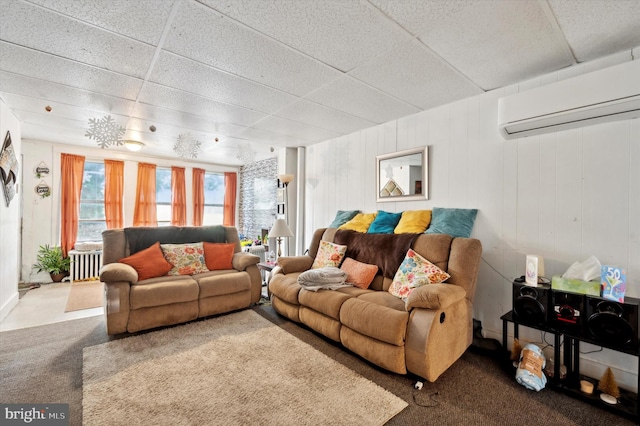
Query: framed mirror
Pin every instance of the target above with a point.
(403, 175)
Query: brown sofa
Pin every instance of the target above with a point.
(423, 336)
(132, 305)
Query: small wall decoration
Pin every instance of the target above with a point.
(8, 169)
(42, 189)
(41, 170)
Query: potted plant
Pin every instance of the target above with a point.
(50, 260)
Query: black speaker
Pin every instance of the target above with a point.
(568, 311)
(531, 304)
(611, 323)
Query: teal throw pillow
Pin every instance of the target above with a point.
(342, 217)
(455, 222)
(384, 223)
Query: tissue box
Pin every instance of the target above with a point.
(592, 288)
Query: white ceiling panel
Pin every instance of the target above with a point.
(351, 96)
(259, 74)
(339, 33)
(47, 93)
(295, 129)
(492, 42)
(166, 97)
(202, 34)
(414, 74)
(170, 70)
(324, 117)
(39, 30)
(587, 25)
(142, 20)
(52, 68)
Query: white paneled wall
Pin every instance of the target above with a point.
(564, 195)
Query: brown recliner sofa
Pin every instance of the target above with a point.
(424, 335)
(132, 305)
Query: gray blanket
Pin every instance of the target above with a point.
(329, 277)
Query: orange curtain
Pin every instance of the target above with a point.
(113, 193)
(71, 173)
(178, 197)
(198, 196)
(144, 213)
(229, 213)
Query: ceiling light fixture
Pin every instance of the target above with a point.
(134, 146)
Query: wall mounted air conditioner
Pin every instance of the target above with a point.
(604, 95)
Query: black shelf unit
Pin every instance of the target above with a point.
(628, 403)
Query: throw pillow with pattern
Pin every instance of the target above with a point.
(415, 271)
(187, 259)
(329, 254)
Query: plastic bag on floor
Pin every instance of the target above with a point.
(529, 372)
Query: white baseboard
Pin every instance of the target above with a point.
(9, 305)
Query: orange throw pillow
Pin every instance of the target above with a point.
(359, 274)
(149, 263)
(219, 255)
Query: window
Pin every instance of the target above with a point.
(91, 221)
(213, 198)
(163, 196)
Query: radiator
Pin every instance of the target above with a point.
(85, 264)
(258, 251)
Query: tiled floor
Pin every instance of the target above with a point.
(44, 305)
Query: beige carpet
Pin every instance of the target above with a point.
(234, 369)
(85, 295)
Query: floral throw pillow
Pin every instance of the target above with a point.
(187, 259)
(329, 254)
(415, 271)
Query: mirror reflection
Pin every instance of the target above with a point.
(402, 175)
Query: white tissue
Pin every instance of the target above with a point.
(586, 271)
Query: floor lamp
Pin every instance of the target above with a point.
(286, 180)
(280, 230)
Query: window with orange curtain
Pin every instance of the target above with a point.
(178, 197)
(198, 196)
(71, 172)
(113, 193)
(230, 184)
(144, 213)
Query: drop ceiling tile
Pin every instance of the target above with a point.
(587, 26)
(295, 129)
(494, 43)
(170, 70)
(48, 92)
(339, 33)
(37, 28)
(161, 116)
(47, 67)
(202, 34)
(266, 137)
(414, 74)
(166, 97)
(351, 96)
(324, 117)
(135, 19)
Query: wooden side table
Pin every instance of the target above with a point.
(267, 267)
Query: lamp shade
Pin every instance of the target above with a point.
(286, 179)
(280, 229)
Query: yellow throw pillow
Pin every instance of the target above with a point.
(413, 222)
(360, 223)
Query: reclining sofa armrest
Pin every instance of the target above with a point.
(241, 260)
(113, 272)
(290, 264)
(434, 296)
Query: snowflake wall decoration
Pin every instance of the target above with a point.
(105, 131)
(246, 154)
(187, 146)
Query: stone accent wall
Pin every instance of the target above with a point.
(257, 205)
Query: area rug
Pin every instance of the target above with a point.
(85, 295)
(234, 369)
